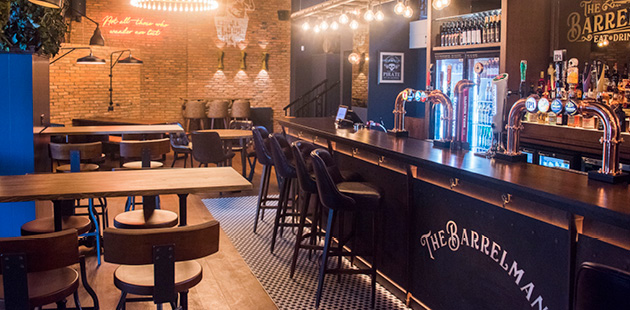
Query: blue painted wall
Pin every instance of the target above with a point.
(16, 124)
(392, 35)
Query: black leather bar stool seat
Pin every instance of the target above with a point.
(261, 137)
(358, 197)
(286, 174)
(601, 287)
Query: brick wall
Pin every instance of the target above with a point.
(360, 45)
(179, 63)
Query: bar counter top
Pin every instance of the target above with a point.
(566, 190)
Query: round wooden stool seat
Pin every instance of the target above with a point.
(82, 167)
(138, 165)
(135, 219)
(139, 280)
(49, 286)
(47, 225)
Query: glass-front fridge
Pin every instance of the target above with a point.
(449, 71)
(481, 69)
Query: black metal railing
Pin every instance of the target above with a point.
(313, 103)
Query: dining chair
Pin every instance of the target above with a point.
(86, 226)
(246, 147)
(39, 270)
(139, 151)
(160, 263)
(601, 287)
(208, 149)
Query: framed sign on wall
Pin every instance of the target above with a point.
(391, 68)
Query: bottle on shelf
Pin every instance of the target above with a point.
(497, 31)
(485, 30)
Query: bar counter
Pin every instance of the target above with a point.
(538, 224)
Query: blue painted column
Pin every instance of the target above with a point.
(16, 126)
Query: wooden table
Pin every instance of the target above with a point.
(110, 130)
(234, 134)
(81, 185)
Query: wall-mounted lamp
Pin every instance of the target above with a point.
(243, 60)
(130, 60)
(265, 61)
(354, 58)
(87, 60)
(220, 60)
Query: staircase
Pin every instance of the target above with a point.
(313, 103)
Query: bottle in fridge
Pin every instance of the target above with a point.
(481, 69)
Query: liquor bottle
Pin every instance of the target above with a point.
(442, 34)
(484, 34)
(469, 32)
(449, 34)
(497, 31)
(541, 84)
(479, 30)
(462, 33)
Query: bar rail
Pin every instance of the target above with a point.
(565, 190)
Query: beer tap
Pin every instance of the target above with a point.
(403, 97)
(438, 97)
(514, 126)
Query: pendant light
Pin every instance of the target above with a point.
(399, 9)
(324, 25)
(334, 26)
(441, 4)
(354, 24)
(369, 13)
(408, 12)
(344, 19)
(87, 60)
(379, 15)
(306, 26)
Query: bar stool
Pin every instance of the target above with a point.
(195, 109)
(218, 109)
(287, 175)
(150, 216)
(601, 287)
(240, 109)
(301, 153)
(248, 154)
(345, 197)
(261, 136)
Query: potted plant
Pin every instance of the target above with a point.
(30, 28)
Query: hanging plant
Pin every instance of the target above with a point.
(30, 28)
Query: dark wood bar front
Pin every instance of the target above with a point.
(461, 230)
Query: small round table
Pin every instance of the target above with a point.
(229, 135)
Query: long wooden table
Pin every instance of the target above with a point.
(109, 130)
(70, 186)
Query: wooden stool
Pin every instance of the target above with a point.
(218, 109)
(241, 109)
(195, 109)
(138, 220)
(46, 225)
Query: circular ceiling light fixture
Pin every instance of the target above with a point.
(177, 5)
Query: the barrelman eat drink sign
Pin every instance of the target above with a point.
(599, 21)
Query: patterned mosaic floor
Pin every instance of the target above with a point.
(236, 215)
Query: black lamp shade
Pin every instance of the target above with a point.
(97, 37)
(131, 61)
(48, 3)
(91, 60)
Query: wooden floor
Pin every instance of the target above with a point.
(227, 281)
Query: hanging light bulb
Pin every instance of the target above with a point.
(306, 26)
(379, 16)
(344, 19)
(400, 7)
(354, 24)
(316, 29)
(440, 4)
(334, 26)
(369, 15)
(324, 25)
(408, 13)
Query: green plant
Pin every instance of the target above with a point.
(30, 27)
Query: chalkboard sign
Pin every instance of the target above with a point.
(391, 68)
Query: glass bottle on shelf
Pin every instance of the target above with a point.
(497, 29)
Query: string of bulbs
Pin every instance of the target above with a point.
(372, 13)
